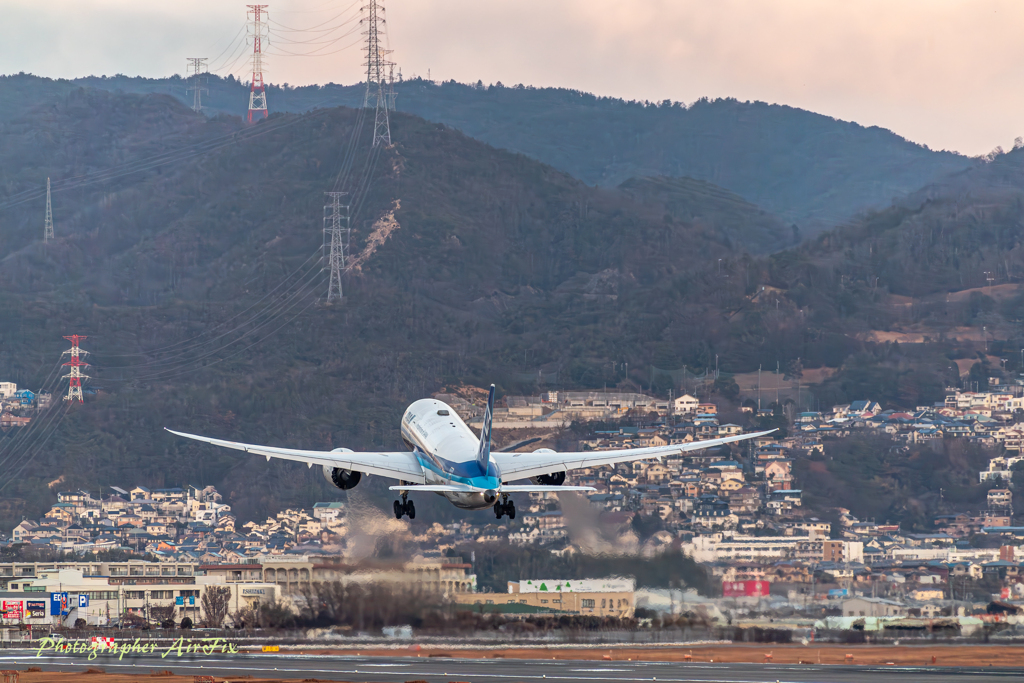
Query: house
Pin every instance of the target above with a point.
(999, 498)
(24, 531)
(685, 405)
(729, 430)
(778, 474)
(865, 408)
(873, 607)
(730, 485)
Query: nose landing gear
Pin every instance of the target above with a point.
(405, 507)
(505, 507)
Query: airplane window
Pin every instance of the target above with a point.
(443, 412)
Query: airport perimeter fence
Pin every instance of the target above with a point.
(298, 638)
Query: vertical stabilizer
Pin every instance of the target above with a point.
(483, 453)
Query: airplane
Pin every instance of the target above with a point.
(446, 458)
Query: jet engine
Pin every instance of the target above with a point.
(342, 478)
(552, 479)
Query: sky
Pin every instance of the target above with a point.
(945, 73)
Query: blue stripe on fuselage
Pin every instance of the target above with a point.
(469, 473)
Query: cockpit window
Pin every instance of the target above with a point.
(442, 412)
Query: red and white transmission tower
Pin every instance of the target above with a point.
(75, 376)
(260, 31)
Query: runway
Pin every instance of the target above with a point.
(444, 670)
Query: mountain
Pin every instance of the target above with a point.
(187, 251)
(813, 171)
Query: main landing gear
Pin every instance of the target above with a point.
(505, 507)
(405, 507)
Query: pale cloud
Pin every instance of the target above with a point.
(940, 72)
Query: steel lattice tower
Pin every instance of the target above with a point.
(257, 94)
(336, 235)
(48, 221)
(391, 87)
(196, 66)
(75, 376)
(376, 71)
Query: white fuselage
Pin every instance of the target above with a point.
(447, 451)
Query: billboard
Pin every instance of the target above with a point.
(58, 604)
(36, 609)
(611, 585)
(745, 589)
(14, 609)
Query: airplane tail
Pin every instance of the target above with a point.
(483, 453)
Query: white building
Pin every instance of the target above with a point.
(133, 588)
(685, 404)
(713, 547)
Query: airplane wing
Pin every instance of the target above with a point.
(524, 465)
(397, 465)
(540, 488)
(435, 488)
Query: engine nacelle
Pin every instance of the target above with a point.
(552, 479)
(342, 478)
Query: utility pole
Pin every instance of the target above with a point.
(337, 242)
(48, 221)
(75, 376)
(257, 93)
(376, 65)
(195, 67)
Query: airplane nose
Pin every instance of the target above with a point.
(490, 496)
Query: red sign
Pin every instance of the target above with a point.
(13, 609)
(745, 589)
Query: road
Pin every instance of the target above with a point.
(443, 670)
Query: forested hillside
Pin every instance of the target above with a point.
(188, 251)
(195, 274)
(812, 170)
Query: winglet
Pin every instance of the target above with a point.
(483, 453)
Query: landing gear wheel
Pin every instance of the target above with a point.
(511, 511)
(499, 510)
(410, 509)
(398, 510)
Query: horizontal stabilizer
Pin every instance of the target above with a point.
(435, 488)
(538, 488)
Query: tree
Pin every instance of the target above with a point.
(186, 623)
(163, 615)
(215, 603)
